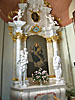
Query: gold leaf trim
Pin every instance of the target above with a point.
(47, 4)
(49, 40)
(57, 38)
(23, 1)
(15, 79)
(18, 35)
(40, 29)
(11, 14)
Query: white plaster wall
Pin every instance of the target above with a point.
(6, 48)
(7, 64)
(1, 46)
(66, 66)
(71, 42)
(67, 50)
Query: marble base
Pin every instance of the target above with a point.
(28, 93)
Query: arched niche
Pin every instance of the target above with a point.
(36, 44)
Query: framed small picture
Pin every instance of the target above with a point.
(35, 16)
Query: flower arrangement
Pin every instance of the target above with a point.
(40, 76)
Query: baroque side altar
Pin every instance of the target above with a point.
(34, 18)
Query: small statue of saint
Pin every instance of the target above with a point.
(57, 67)
(51, 20)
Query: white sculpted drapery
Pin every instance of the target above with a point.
(22, 65)
(57, 62)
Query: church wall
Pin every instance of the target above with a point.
(71, 42)
(1, 46)
(67, 49)
(7, 64)
(6, 60)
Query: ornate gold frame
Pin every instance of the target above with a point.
(38, 17)
(37, 12)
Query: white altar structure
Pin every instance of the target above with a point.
(34, 18)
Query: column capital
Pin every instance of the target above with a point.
(49, 40)
(18, 35)
(10, 28)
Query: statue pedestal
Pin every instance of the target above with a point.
(28, 93)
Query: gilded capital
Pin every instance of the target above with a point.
(49, 40)
(10, 28)
(18, 35)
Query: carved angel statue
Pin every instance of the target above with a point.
(19, 16)
(23, 60)
(57, 67)
(51, 20)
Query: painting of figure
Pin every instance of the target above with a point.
(35, 17)
(37, 54)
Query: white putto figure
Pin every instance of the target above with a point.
(22, 63)
(51, 20)
(57, 67)
(19, 16)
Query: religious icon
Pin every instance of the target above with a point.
(37, 55)
(35, 16)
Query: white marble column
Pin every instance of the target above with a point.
(50, 57)
(25, 47)
(55, 47)
(18, 48)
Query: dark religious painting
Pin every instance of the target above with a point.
(35, 16)
(37, 54)
(74, 19)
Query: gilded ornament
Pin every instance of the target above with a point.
(11, 14)
(18, 35)
(51, 76)
(56, 38)
(49, 40)
(23, 37)
(33, 11)
(15, 79)
(59, 33)
(10, 28)
(35, 29)
(10, 33)
(23, 1)
(47, 4)
(57, 19)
